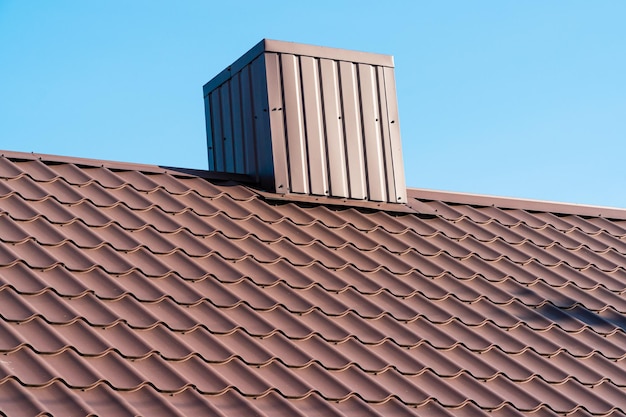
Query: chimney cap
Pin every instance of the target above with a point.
(270, 45)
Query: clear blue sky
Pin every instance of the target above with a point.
(512, 98)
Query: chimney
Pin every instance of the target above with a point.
(308, 120)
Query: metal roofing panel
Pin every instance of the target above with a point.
(164, 293)
(329, 74)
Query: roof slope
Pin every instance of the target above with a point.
(131, 289)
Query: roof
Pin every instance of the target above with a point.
(130, 289)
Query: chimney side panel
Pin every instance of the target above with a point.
(335, 144)
(385, 135)
(209, 131)
(218, 137)
(351, 107)
(247, 123)
(374, 155)
(262, 137)
(397, 170)
(313, 117)
(277, 122)
(239, 148)
(294, 120)
(227, 127)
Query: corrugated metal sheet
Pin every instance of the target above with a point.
(308, 120)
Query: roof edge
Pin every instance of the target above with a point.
(510, 203)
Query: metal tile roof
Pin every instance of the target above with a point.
(138, 290)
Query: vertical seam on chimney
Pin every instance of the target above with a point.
(221, 136)
(381, 128)
(232, 122)
(210, 117)
(323, 116)
(304, 127)
(362, 127)
(250, 93)
(343, 127)
(244, 144)
(283, 115)
(388, 127)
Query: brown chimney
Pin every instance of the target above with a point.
(310, 120)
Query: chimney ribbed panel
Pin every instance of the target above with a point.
(308, 120)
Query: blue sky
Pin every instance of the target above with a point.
(510, 98)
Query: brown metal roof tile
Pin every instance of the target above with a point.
(464, 227)
(12, 231)
(505, 216)
(76, 231)
(71, 173)
(168, 182)
(33, 255)
(583, 223)
(344, 383)
(17, 208)
(165, 201)
(232, 403)
(63, 192)
(107, 258)
(599, 298)
(143, 315)
(85, 212)
(16, 401)
(214, 189)
(234, 209)
(8, 169)
(613, 227)
(198, 204)
(156, 290)
(147, 401)
(614, 280)
(562, 223)
(339, 217)
(438, 243)
(605, 398)
(192, 222)
(104, 176)
(118, 213)
(138, 180)
(457, 267)
(36, 169)
(204, 344)
(445, 393)
(603, 241)
(95, 341)
(27, 367)
(364, 281)
(5, 190)
(54, 211)
(578, 315)
(266, 232)
(9, 339)
(131, 198)
(441, 209)
(274, 404)
(26, 188)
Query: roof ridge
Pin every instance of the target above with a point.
(486, 200)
